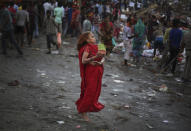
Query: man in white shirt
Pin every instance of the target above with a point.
(47, 6)
(22, 19)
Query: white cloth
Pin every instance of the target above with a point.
(138, 5)
(127, 42)
(21, 17)
(63, 14)
(87, 25)
(16, 7)
(126, 33)
(128, 49)
(131, 4)
(47, 6)
(108, 9)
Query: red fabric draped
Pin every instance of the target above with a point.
(91, 81)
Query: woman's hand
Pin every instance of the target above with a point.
(96, 63)
(99, 55)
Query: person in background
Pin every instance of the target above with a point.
(36, 30)
(13, 12)
(65, 21)
(22, 20)
(46, 6)
(87, 26)
(175, 37)
(50, 31)
(96, 22)
(7, 30)
(186, 43)
(166, 45)
(106, 31)
(127, 40)
(75, 23)
(31, 26)
(58, 13)
(138, 41)
(158, 42)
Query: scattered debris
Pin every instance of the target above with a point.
(118, 90)
(114, 76)
(64, 107)
(132, 65)
(169, 75)
(60, 122)
(69, 116)
(149, 126)
(42, 73)
(179, 94)
(114, 94)
(61, 82)
(36, 49)
(178, 79)
(73, 55)
(151, 94)
(148, 53)
(65, 43)
(55, 52)
(104, 85)
(103, 130)
(78, 126)
(165, 121)
(127, 107)
(14, 83)
(118, 81)
(163, 88)
(47, 84)
(130, 79)
(31, 108)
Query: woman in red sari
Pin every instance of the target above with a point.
(91, 72)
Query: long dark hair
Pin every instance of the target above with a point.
(82, 41)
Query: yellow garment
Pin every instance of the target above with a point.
(20, 8)
(166, 35)
(148, 45)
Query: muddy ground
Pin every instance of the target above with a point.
(50, 85)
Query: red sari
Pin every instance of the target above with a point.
(91, 81)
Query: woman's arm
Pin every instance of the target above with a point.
(85, 58)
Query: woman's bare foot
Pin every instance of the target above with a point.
(85, 117)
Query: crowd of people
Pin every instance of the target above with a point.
(160, 29)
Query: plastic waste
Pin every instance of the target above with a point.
(163, 88)
(149, 126)
(127, 107)
(165, 121)
(14, 83)
(60, 122)
(118, 81)
(55, 52)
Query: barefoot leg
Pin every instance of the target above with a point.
(85, 117)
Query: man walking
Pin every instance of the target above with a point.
(22, 20)
(6, 27)
(186, 43)
(175, 38)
